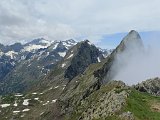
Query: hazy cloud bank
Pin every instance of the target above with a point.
(135, 65)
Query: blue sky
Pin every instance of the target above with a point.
(111, 41)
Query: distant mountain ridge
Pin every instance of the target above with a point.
(31, 61)
(35, 59)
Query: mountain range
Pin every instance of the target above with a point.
(69, 80)
(22, 65)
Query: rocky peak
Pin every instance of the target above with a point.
(70, 42)
(133, 36)
(17, 47)
(132, 41)
(130, 44)
(83, 54)
(61, 47)
(39, 41)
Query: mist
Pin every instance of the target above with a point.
(136, 64)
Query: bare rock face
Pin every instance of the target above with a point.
(85, 54)
(151, 86)
(132, 41)
(109, 103)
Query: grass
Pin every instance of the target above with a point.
(140, 105)
(8, 99)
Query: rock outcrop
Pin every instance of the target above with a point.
(151, 86)
(106, 106)
(131, 43)
(84, 54)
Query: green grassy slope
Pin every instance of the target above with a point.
(144, 106)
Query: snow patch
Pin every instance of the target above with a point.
(16, 111)
(26, 102)
(55, 46)
(13, 63)
(18, 95)
(50, 88)
(28, 65)
(1, 53)
(41, 113)
(45, 42)
(56, 87)
(46, 103)
(11, 54)
(63, 88)
(98, 59)
(55, 100)
(89, 43)
(23, 57)
(36, 98)
(41, 93)
(34, 47)
(63, 65)
(15, 104)
(70, 56)
(47, 53)
(5, 105)
(22, 116)
(62, 54)
(26, 110)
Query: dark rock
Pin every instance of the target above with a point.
(86, 55)
(151, 86)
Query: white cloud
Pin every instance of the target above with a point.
(136, 64)
(27, 19)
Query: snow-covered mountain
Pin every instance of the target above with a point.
(36, 44)
(32, 61)
(40, 49)
(19, 51)
(106, 52)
